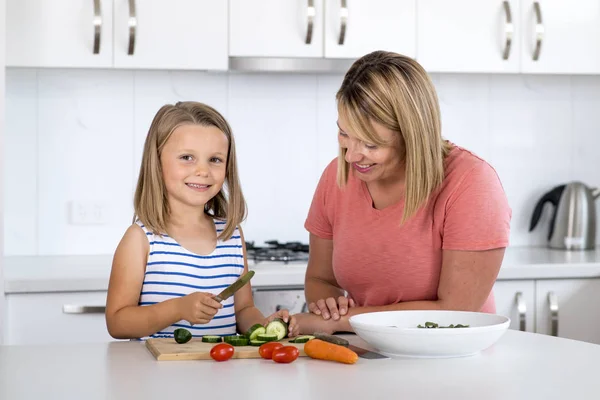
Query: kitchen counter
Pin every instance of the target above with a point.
(26, 274)
(519, 366)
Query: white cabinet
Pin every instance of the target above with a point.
(516, 300)
(37, 318)
(354, 28)
(567, 33)
(275, 28)
(569, 308)
(468, 35)
(178, 34)
(174, 34)
(59, 33)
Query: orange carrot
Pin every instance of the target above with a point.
(319, 349)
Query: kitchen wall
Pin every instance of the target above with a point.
(74, 139)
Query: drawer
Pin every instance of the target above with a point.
(48, 318)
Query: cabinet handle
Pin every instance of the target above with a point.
(522, 309)
(97, 26)
(553, 304)
(310, 20)
(343, 22)
(539, 31)
(132, 27)
(75, 309)
(508, 30)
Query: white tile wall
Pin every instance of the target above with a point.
(78, 135)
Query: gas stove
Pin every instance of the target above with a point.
(276, 251)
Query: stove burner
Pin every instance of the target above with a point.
(275, 251)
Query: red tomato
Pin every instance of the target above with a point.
(266, 350)
(221, 352)
(285, 354)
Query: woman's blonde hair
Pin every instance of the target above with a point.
(150, 204)
(396, 92)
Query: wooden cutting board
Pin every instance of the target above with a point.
(166, 349)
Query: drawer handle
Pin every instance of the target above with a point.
(539, 31)
(522, 309)
(553, 305)
(132, 27)
(343, 22)
(97, 26)
(508, 30)
(310, 20)
(75, 309)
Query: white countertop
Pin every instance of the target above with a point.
(23, 274)
(519, 366)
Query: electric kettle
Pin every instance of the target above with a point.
(573, 224)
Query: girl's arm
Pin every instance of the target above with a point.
(124, 318)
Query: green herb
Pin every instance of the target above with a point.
(429, 325)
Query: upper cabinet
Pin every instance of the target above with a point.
(59, 33)
(178, 34)
(468, 35)
(354, 28)
(560, 36)
(276, 28)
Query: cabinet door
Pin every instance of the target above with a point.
(275, 28)
(174, 34)
(569, 308)
(48, 318)
(516, 300)
(468, 35)
(59, 33)
(354, 28)
(566, 35)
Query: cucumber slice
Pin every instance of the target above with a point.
(278, 327)
(182, 335)
(255, 342)
(228, 339)
(302, 339)
(254, 331)
(267, 337)
(211, 339)
(239, 341)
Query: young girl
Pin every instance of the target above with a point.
(185, 244)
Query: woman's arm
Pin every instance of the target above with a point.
(466, 280)
(124, 318)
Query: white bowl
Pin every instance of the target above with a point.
(395, 333)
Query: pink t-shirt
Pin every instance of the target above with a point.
(378, 262)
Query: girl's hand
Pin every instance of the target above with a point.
(293, 327)
(331, 307)
(198, 307)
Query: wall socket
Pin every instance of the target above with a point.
(87, 213)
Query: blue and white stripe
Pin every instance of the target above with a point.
(173, 271)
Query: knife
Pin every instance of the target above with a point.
(234, 287)
(364, 353)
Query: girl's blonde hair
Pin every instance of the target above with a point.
(396, 92)
(150, 204)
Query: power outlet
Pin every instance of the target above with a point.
(87, 213)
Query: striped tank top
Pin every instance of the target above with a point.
(173, 271)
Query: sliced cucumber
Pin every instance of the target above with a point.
(239, 341)
(228, 339)
(267, 337)
(254, 331)
(211, 339)
(302, 339)
(278, 327)
(255, 342)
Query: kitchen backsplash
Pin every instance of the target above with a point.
(74, 138)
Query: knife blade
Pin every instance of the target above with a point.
(364, 353)
(234, 287)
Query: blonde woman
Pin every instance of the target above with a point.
(402, 219)
(185, 244)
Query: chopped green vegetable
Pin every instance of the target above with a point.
(302, 339)
(211, 339)
(267, 337)
(255, 330)
(429, 325)
(277, 327)
(182, 335)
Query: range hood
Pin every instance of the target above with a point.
(289, 64)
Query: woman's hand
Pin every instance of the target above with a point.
(293, 328)
(331, 308)
(198, 307)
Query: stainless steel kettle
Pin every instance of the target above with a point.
(573, 224)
